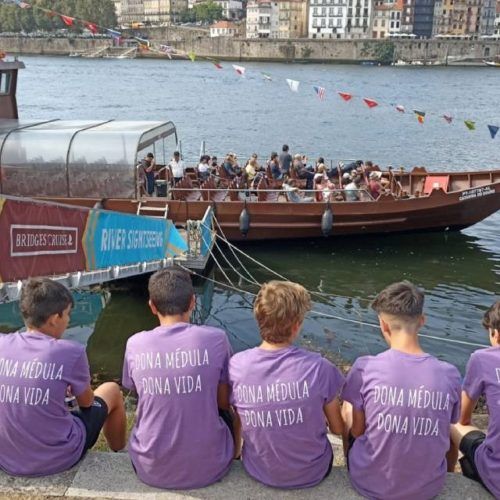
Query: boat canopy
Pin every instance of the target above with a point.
(78, 158)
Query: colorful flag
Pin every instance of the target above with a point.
(470, 124)
(116, 35)
(345, 96)
(217, 64)
(91, 27)
(448, 118)
(192, 56)
(21, 4)
(320, 92)
(293, 84)
(166, 49)
(400, 108)
(239, 69)
(420, 116)
(266, 77)
(493, 130)
(68, 21)
(370, 102)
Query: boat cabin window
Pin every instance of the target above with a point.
(5, 79)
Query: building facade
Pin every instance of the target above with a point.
(151, 12)
(231, 9)
(118, 11)
(464, 18)
(358, 18)
(132, 11)
(262, 19)
(386, 18)
(292, 15)
(223, 28)
(327, 18)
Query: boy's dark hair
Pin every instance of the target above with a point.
(491, 318)
(401, 299)
(41, 298)
(171, 291)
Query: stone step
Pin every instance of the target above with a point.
(110, 475)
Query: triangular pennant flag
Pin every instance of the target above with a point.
(116, 35)
(239, 69)
(68, 21)
(470, 124)
(493, 130)
(345, 96)
(217, 64)
(420, 116)
(192, 56)
(370, 102)
(320, 92)
(448, 118)
(21, 4)
(293, 84)
(91, 27)
(166, 49)
(400, 108)
(266, 77)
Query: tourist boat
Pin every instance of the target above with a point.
(494, 64)
(94, 163)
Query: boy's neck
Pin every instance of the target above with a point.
(42, 331)
(268, 346)
(405, 342)
(173, 320)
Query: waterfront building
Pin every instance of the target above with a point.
(276, 19)
(327, 18)
(386, 19)
(223, 28)
(497, 20)
(132, 11)
(423, 18)
(118, 11)
(231, 9)
(407, 14)
(464, 18)
(358, 18)
(151, 12)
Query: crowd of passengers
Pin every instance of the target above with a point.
(403, 414)
(300, 180)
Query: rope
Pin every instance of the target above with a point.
(332, 316)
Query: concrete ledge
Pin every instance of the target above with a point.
(110, 475)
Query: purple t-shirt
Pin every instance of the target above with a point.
(38, 435)
(178, 441)
(483, 377)
(279, 396)
(409, 403)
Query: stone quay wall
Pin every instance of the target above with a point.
(299, 50)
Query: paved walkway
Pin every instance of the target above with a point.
(110, 475)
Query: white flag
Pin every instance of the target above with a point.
(293, 84)
(239, 69)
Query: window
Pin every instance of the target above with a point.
(323, 23)
(382, 23)
(5, 83)
(375, 23)
(330, 11)
(339, 23)
(323, 11)
(315, 11)
(330, 23)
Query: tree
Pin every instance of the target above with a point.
(207, 12)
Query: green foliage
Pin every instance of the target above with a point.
(384, 52)
(208, 11)
(15, 19)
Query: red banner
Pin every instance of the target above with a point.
(37, 239)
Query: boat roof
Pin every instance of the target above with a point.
(82, 135)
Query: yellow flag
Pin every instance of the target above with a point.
(192, 56)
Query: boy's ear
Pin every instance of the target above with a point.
(152, 307)
(384, 326)
(422, 321)
(192, 304)
(495, 336)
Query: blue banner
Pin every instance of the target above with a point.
(115, 239)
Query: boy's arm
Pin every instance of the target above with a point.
(237, 433)
(468, 405)
(358, 423)
(333, 416)
(79, 381)
(223, 396)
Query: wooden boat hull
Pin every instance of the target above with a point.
(283, 220)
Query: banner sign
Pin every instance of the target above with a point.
(43, 239)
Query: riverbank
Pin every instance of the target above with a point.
(425, 52)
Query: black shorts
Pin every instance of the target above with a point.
(468, 446)
(93, 418)
(350, 443)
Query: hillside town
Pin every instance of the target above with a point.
(323, 19)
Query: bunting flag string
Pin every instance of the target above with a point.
(420, 116)
(169, 51)
(293, 84)
(320, 92)
(493, 130)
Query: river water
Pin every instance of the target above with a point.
(460, 272)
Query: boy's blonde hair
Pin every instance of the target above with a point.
(278, 307)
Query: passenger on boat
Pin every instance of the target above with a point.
(347, 169)
(274, 165)
(285, 159)
(251, 169)
(214, 163)
(177, 167)
(230, 166)
(374, 185)
(303, 172)
(352, 192)
(147, 173)
(293, 194)
(204, 168)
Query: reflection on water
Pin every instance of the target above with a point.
(459, 273)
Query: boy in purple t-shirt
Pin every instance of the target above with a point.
(285, 396)
(399, 406)
(481, 452)
(38, 370)
(179, 371)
